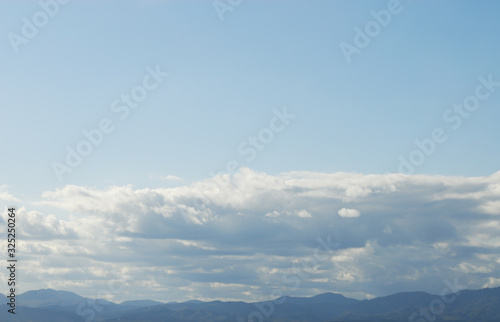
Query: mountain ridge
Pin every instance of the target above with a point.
(481, 305)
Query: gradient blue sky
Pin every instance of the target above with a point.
(225, 79)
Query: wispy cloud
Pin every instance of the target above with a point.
(172, 178)
(5, 195)
(169, 177)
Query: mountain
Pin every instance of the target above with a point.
(61, 306)
(27, 314)
(48, 297)
(141, 303)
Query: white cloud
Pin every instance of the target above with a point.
(5, 195)
(349, 213)
(171, 177)
(298, 213)
(235, 236)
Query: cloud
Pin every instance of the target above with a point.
(299, 213)
(236, 237)
(39, 226)
(349, 213)
(171, 177)
(5, 195)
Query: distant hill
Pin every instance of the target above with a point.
(27, 314)
(61, 306)
(48, 297)
(141, 303)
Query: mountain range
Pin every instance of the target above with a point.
(49, 305)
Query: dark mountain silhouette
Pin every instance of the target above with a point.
(61, 306)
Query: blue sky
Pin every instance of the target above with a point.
(227, 80)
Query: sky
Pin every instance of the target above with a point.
(238, 150)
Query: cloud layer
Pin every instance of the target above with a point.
(249, 235)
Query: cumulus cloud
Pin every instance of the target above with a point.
(236, 237)
(349, 213)
(39, 226)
